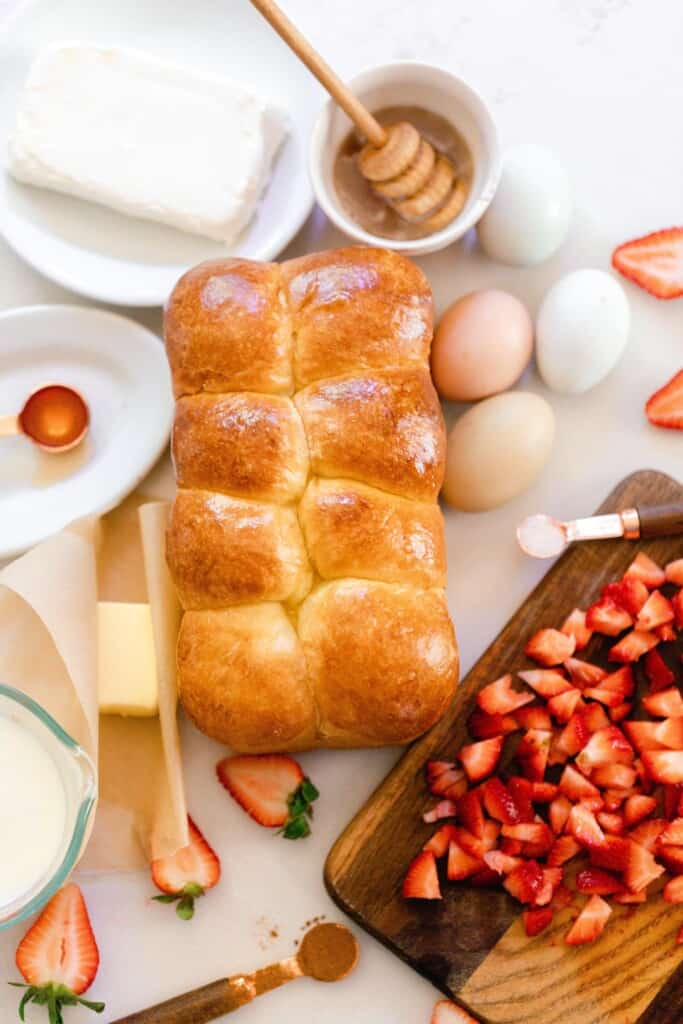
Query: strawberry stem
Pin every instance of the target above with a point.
(54, 996)
(184, 898)
(300, 810)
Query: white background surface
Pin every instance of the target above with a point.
(601, 82)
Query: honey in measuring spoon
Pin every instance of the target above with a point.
(54, 417)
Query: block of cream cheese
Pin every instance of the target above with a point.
(127, 669)
(145, 137)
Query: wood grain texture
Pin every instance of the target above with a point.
(471, 944)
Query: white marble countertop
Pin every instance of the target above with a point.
(601, 82)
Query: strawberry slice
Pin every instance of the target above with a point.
(480, 759)
(444, 809)
(546, 682)
(653, 262)
(272, 789)
(608, 618)
(532, 752)
(534, 716)
(611, 821)
(665, 704)
(471, 813)
(665, 407)
(641, 868)
(445, 1012)
(186, 875)
(629, 593)
(550, 647)
(673, 833)
(582, 673)
(500, 802)
(575, 625)
(658, 673)
(590, 923)
(575, 787)
(633, 646)
(558, 812)
(483, 726)
(638, 807)
(646, 570)
(422, 881)
(500, 698)
(461, 864)
(677, 605)
(438, 844)
(502, 863)
(563, 706)
(58, 956)
(599, 881)
(606, 746)
(537, 920)
(583, 825)
(562, 850)
(614, 776)
(647, 833)
(657, 611)
(525, 882)
(674, 572)
(673, 890)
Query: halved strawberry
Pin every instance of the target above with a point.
(620, 711)
(641, 868)
(575, 787)
(546, 682)
(532, 752)
(646, 833)
(480, 759)
(583, 825)
(438, 844)
(534, 716)
(187, 874)
(444, 809)
(272, 789)
(665, 703)
(590, 923)
(558, 812)
(605, 747)
(629, 593)
(599, 881)
(525, 882)
(445, 1012)
(537, 920)
(633, 646)
(638, 807)
(575, 625)
(643, 568)
(461, 864)
(677, 605)
(500, 698)
(614, 853)
(611, 821)
(565, 704)
(658, 673)
(653, 262)
(422, 881)
(607, 617)
(58, 956)
(562, 850)
(674, 572)
(673, 890)
(614, 776)
(583, 673)
(500, 803)
(673, 833)
(502, 863)
(665, 407)
(550, 647)
(471, 813)
(657, 611)
(483, 726)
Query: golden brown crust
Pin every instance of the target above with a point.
(383, 428)
(339, 516)
(242, 678)
(227, 328)
(357, 309)
(223, 551)
(243, 444)
(382, 659)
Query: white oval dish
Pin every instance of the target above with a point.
(123, 260)
(410, 83)
(120, 369)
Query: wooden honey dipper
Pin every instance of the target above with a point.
(403, 168)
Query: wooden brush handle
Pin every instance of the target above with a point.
(366, 124)
(660, 520)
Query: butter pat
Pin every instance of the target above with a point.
(127, 669)
(145, 137)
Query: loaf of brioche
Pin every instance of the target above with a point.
(305, 541)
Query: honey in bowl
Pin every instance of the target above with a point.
(379, 215)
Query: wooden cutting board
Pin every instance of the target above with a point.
(471, 944)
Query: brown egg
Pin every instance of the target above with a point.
(482, 345)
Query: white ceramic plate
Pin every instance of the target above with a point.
(120, 368)
(124, 260)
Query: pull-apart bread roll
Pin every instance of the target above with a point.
(305, 541)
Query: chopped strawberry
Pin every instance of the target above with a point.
(438, 844)
(611, 821)
(558, 812)
(480, 759)
(665, 703)
(590, 923)
(484, 878)
(648, 572)
(543, 792)
(606, 746)
(490, 836)
(583, 825)
(658, 673)
(450, 783)
(621, 681)
(562, 850)
(551, 880)
(537, 920)
(657, 611)
(677, 605)
(468, 842)
(58, 955)
(444, 809)
(583, 673)
(186, 875)
(633, 646)
(620, 711)
(609, 698)
(575, 625)
(671, 857)
(522, 792)
(528, 832)
(666, 632)
(653, 262)
(674, 572)
(534, 716)
(614, 776)
(673, 833)
(511, 847)
(612, 799)
(646, 833)
(630, 897)
(272, 789)
(565, 704)
(421, 881)
(645, 783)
(502, 863)
(607, 617)
(643, 735)
(641, 868)
(679, 936)
(638, 807)
(461, 864)
(665, 407)
(599, 881)
(546, 682)
(471, 813)
(673, 800)
(525, 882)
(483, 726)
(673, 890)
(575, 787)
(435, 769)
(562, 897)
(629, 593)
(574, 736)
(595, 718)
(532, 752)
(500, 698)
(446, 1012)
(613, 854)
(500, 803)
(550, 647)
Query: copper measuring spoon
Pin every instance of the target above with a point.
(542, 536)
(55, 417)
(328, 952)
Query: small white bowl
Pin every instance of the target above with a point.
(410, 83)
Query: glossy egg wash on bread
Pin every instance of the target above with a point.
(305, 541)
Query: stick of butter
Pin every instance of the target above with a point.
(145, 137)
(127, 669)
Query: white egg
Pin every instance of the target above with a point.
(529, 216)
(581, 330)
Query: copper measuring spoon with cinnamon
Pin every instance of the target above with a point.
(55, 417)
(328, 952)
